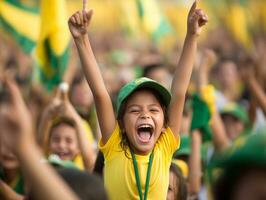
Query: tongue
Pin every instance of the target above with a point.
(144, 136)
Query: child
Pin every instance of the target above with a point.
(63, 133)
(138, 145)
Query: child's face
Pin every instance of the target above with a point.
(63, 142)
(143, 121)
(233, 126)
(173, 187)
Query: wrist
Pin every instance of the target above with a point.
(82, 40)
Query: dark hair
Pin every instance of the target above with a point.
(124, 141)
(181, 182)
(151, 67)
(62, 120)
(86, 186)
(99, 164)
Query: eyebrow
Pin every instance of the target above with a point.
(137, 105)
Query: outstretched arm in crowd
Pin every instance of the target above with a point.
(254, 87)
(86, 150)
(196, 19)
(43, 180)
(219, 137)
(194, 163)
(79, 28)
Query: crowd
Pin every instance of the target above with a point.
(136, 124)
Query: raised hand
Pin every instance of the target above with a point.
(79, 23)
(15, 119)
(196, 19)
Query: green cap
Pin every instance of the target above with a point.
(143, 82)
(248, 151)
(236, 111)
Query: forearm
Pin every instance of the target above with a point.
(44, 181)
(87, 152)
(103, 103)
(220, 140)
(43, 128)
(180, 83)
(90, 68)
(194, 176)
(184, 68)
(258, 93)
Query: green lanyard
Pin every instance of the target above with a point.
(147, 184)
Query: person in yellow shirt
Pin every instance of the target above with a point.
(139, 141)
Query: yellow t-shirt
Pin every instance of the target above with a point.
(119, 176)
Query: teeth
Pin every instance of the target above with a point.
(145, 126)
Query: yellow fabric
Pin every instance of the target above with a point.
(119, 177)
(207, 93)
(182, 165)
(25, 23)
(54, 28)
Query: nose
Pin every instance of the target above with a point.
(145, 115)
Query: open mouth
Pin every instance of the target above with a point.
(63, 155)
(145, 132)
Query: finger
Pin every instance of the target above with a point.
(84, 16)
(77, 18)
(81, 17)
(73, 20)
(85, 5)
(193, 7)
(89, 15)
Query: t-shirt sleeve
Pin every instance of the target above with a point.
(112, 144)
(168, 143)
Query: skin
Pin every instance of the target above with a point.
(63, 142)
(172, 188)
(7, 159)
(143, 108)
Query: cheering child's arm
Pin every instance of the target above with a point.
(78, 25)
(196, 19)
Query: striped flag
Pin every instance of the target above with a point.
(21, 22)
(52, 51)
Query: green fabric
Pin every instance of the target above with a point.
(246, 152)
(57, 162)
(201, 117)
(19, 187)
(184, 149)
(137, 175)
(143, 82)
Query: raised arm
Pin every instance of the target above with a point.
(196, 19)
(78, 26)
(86, 150)
(44, 181)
